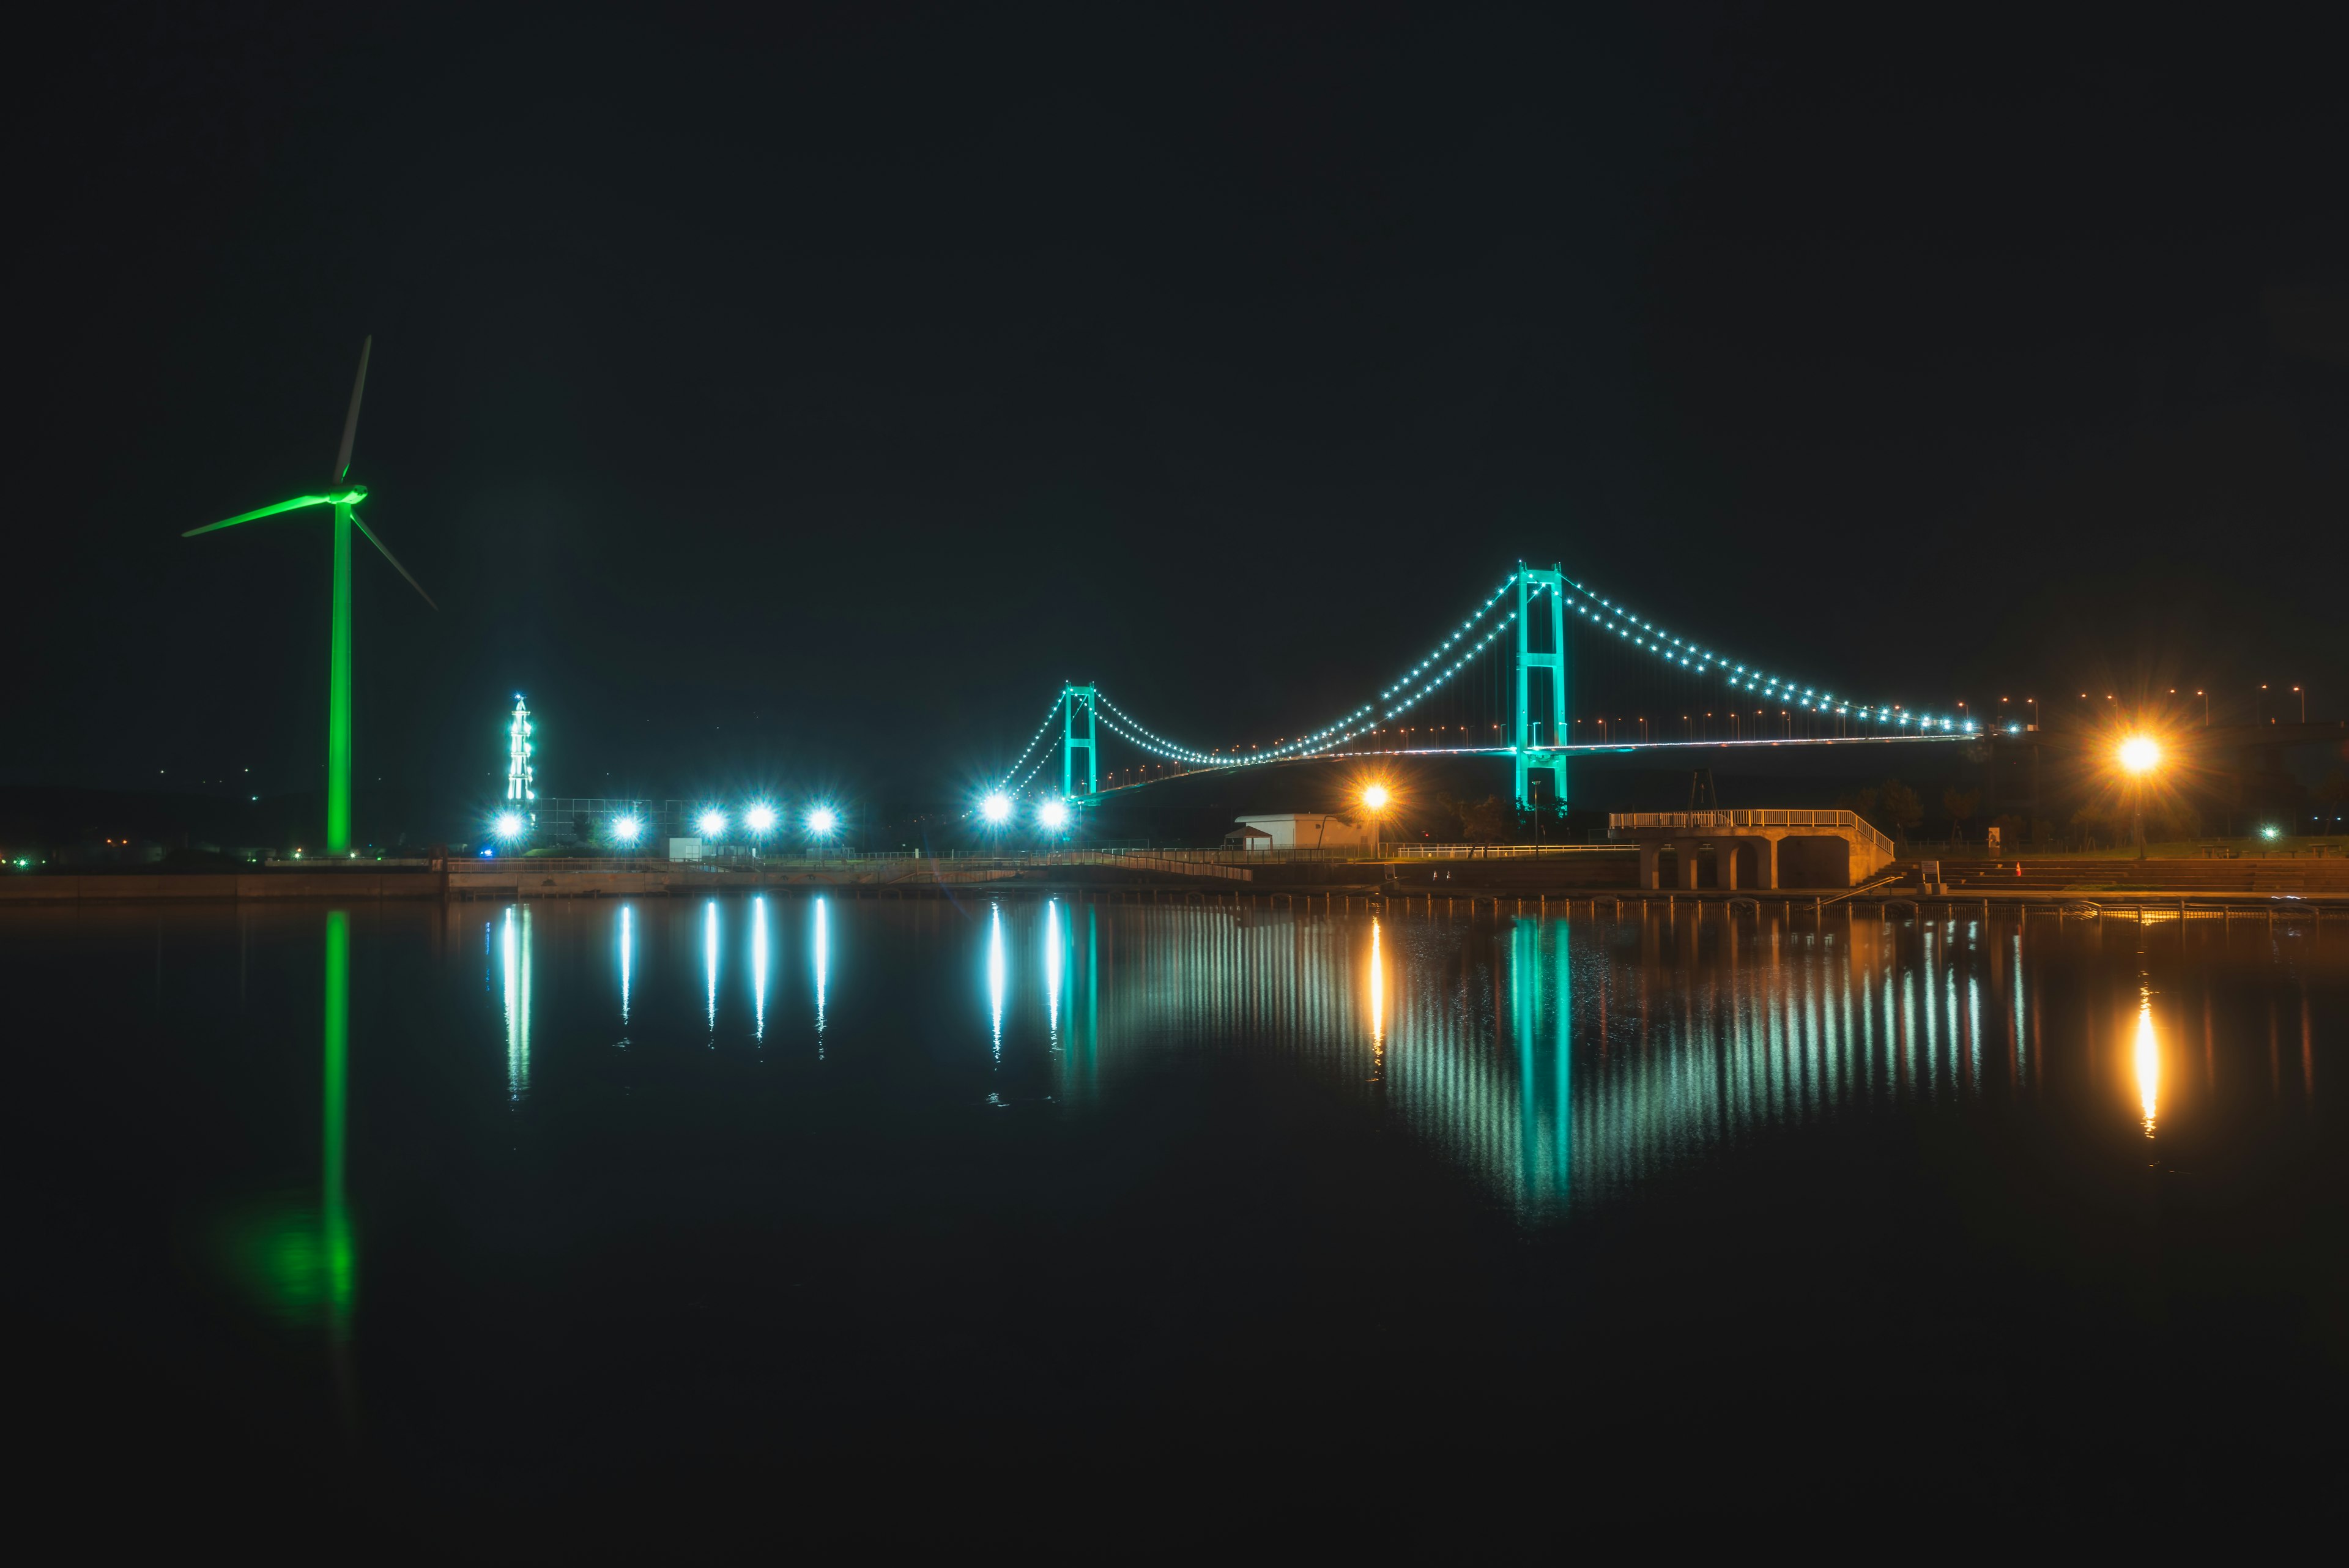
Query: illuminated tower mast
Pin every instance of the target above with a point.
(521, 797)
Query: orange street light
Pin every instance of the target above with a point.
(1374, 802)
(2140, 755)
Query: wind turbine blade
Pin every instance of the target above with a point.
(298, 501)
(351, 421)
(392, 558)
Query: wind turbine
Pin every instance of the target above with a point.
(344, 497)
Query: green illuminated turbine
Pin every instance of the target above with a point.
(344, 498)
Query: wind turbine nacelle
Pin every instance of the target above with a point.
(347, 494)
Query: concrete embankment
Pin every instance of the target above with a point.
(1575, 876)
(520, 879)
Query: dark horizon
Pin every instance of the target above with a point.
(803, 403)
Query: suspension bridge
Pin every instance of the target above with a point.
(1544, 669)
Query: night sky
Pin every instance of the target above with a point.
(801, 401)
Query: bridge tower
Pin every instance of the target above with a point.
(1071, 696)
(1540, 737)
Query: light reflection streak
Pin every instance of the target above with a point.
(1052, 972)
(627, 950)
(823, 943)
(1378, 1006)
(710, 960)
(513, 953)
(995, 973)
(2148, 1062)
(759, 967)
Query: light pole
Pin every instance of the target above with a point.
(2303, 703)
(1374, 802)
(2140, 755)
(823, 822)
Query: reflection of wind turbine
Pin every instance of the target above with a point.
(344, 498)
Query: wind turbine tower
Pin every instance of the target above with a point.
(344, 497)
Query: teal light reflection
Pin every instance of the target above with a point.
(1052, 972)
(759, 967)
(709, 958)
(995, 973)
(513, 953)
(822, 943)
(627, 950)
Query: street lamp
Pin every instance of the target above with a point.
(1375, 801)
(823, 822)
(2140, 754)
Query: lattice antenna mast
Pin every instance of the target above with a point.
(1072, 742)
(1538, 741)
(522, 777)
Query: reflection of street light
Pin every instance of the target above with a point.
(2140, 754)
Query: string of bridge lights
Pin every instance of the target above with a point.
(1605, 615)
(1460, 647)
(1044, 757)
(1049, 714)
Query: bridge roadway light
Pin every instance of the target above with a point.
(996, 808)
(1053, 815)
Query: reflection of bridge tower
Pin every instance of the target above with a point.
(1071, 696)
(1533, 756)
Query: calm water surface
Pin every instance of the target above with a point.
(541, 1218)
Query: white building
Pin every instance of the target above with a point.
(1298, 830)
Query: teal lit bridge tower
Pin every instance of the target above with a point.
(1540, 743)
(1070, 696)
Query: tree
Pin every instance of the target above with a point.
(1960, 804)
(1485, 821)
(1860, 802)
(1899, 805)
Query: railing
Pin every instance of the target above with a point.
(1717, 821)
(1496, 851)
